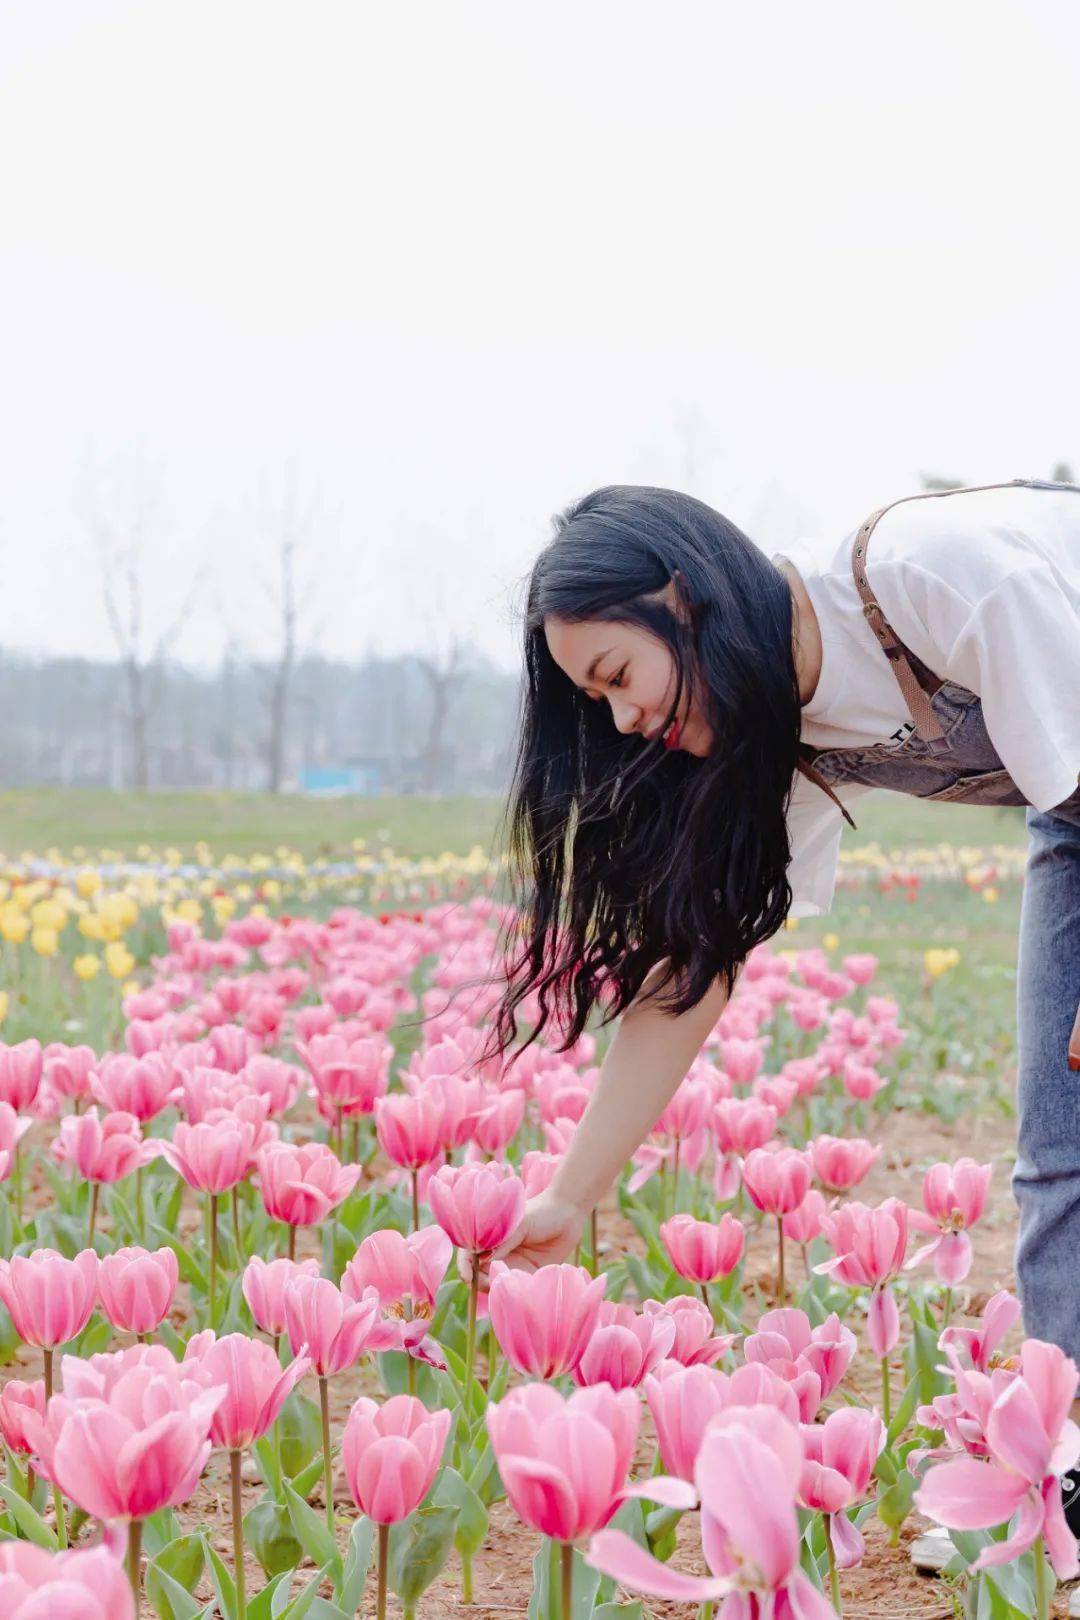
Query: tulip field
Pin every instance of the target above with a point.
(249, 1155)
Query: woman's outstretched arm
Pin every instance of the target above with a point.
(643, 1067)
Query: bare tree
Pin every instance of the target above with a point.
(292, 599)
(122, 512)
(444, 670)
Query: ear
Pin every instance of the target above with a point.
(674, 596)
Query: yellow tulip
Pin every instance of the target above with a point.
(3, 1005)
(990, 894)
(938, 961)
(791, 923)
(830, 941)
(91, 926)
(86, 967)
(14, 925)
(48, 914)
(88, 882)
(118, 960)
(45, 941)
(189, 910)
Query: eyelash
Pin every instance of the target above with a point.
(616, 680)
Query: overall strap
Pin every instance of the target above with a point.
(814, 775)
(915, 693)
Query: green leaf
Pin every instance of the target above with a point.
(266, 1458)
(619, 1611)
(311, 1531)
(190, 1269)
(95, 1337)
(904, 1412)
(304, 1599)
(31, 1524)
(268, 1531)
(224, 1585)
(299, 1433)
(419, 1547)
(472, 1523)
(170, 1599)
(894, 1505)
(545, 1603)
(159, 1531)
(357, 1564)
(261, 1606)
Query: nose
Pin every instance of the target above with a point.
(626, 716)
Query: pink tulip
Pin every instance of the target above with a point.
(869, 1243)
(67, 1069)
(139, 1446)
(50, 1299)
(477, 1205)
(695, 1341)
(544, 1319)
(741, 1060)
(12, 1130)
(687, 1111)
(408, 1126)
(87, 1583)
(746, 1475)
(954, 1198)
(16, 1398)
(860, 968)
(840, 1162)
(334, 1331)
(276, 1081)
(137, 1287)
(129, 1085)
(812, 1360)
(537, 1170)
(211, 1158)
(702, 1251)
(564, 1461)
(804, 1224)
(348, 1075)
(681, 1401)
(500, 1122)
(264, 1284)
(301, 1185)
(256, 1386)
(102, 1150)
(392, 1453)
(838, 1462)
(776, 1182)
(741, 1124)
(624, 1346)
(1000, 1312)
(20, 1073)
(399, 1268)
(1032, 1441)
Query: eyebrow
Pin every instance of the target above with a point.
(591, 671)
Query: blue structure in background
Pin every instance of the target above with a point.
(331, 781)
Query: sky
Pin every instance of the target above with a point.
(421, 274)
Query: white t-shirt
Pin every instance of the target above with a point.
(984, 586)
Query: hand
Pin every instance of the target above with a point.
(549, 1230)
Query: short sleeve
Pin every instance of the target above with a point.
(815, 827)
(1020, 651)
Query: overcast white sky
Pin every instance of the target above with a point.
(456, 263)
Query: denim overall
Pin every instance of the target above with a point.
(949, 757)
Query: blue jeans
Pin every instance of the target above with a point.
(1046, 1178)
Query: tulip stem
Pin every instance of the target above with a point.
(705, 1295)
(1042, 1584)
(292, 1242)
(594, 1247)
(140, 1218)
(567, 1551)
(886, 1392)
(238, 1534)
(384, 1546)
(834, 1573)
(328, 1483)
(466, 1578)
(415, 1200)
(470, 1336)
(781, 1282)
(95, 1189)
(213, 1256)
(236, 1225)
(707, 1609)
(17, 1178)
(946, 1310)
(134, 1560)
(410, 1374)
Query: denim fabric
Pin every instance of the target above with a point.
(1046, 1177)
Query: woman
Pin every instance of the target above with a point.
(698, 720)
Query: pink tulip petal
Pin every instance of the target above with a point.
(1029, 1525)
(965, 1494)
(847, 1541)
(615, 1553)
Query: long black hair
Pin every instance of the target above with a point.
(623, 853)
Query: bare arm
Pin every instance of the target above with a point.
(642, 1069)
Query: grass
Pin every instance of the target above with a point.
(245, 823)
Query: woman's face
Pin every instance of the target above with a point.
(634, 672)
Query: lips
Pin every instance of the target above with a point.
(672, 738)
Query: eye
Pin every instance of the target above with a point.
(617, 680)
